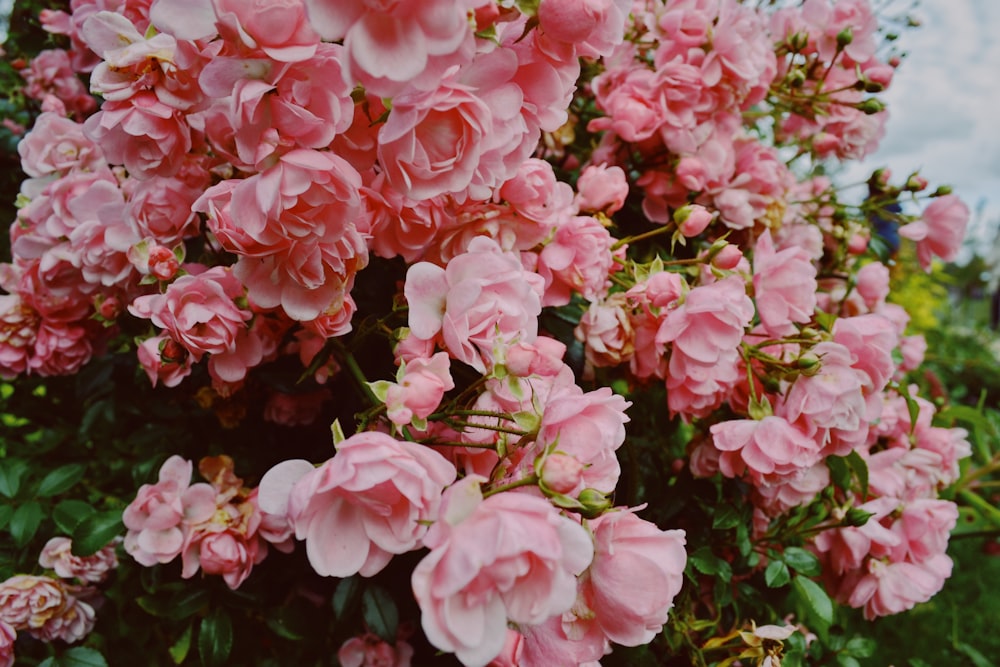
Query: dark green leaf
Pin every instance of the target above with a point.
(61, 479)
(11, 472)
(185, 603)
(82, 657)
(96, 531)
(844, 660)
(840, 472)
(289, 622)
(6, 511)
(179, 649)
(776, 575)
(703, 560)
(346, 596)
(726, 516)
(977, 658)
(69, 513)
(917, 662)
(860, 468)
(380, 613)
(815, 598)
(49, 662)
(215, 638)
(802, 561)
(25, 521)
(861, 647)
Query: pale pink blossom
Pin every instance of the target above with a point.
(601, 188)
(784, 283)
(535, 193)
(420, 389)
(8, 635)
(577, 260)
(370, 651)
(60, 348)
(606, 332)
(45, 607)
(57, 555)
(57, 145)
(370, 501)
(637, 572)
(480, 298)
(510, 556)
(769, 449)
(279, 28)
(227, 543)
(940, 230)
(887, 588)
(593, 27)
(51, 73)
(873, 284)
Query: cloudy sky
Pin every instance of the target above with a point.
(944, 106)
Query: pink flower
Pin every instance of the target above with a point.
(420, 389)
(940, 230)
(578, 260)
(509, 556)
(57, 145)
(770, 449)
(8, 635)
(593, 27)
(154, 519)
(227, 543)
(606, 332)
(784, 285)
(198, 311)
(873, 284)
(893, 587)
(535, 193)
(482, 297)
(51, 73)
(164, 360)
(60, 348)
(56, 555)
(370, 651)
(601, 188)
(637, 572)
(278, 27)
(44, 607)
(705, 332)
(692, 219)
(370, 501)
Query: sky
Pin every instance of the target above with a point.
(944, 106)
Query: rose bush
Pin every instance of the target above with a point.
(614, 371)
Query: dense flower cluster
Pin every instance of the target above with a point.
(248, 161)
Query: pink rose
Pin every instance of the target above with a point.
(784, 285)
(601, 188)
(198, 311)
(509, 556)
(7, 638)
(164, 360)
(770, 449)
(637, 572)
(370, 651)
(535, 193)
(481, 297)
(57, 145)
(44, 607)
(606, 332)
(56, 555)
(226, 544)
(940, 230)
(577, 260)
(370, 501)
(278, 27)
(419, 390)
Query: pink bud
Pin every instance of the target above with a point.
(162, 263)
(109, 308)
(727, 258)
(561, 473)
(858, 244)
(692, 219)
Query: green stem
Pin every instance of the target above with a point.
(530, 480)
(499, 429)
(641, 237)
(357, 373)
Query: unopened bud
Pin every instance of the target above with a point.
(692, 219)
(870, 106)
(561, 473)
(594, 503)
(728, 258)
(915, 183)
(796, 78)
(845, 37)
(162, 263)
(857, 244)
(109, 308)
(808, 362)
(942, 190)
(798, 41)
(873, 87)
(857, 517)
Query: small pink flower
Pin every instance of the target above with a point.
(370, 651)
(509, 556)
(637, 572)
(57, 145)
(770, 449)
(164, 360)
(692, 219)
(939, 231)
(278, 27)
(606, 332)
(420, 389)
(784, 285)
(601, 188)
(364, 505)
(8, 635)
(577, 260)
(57, 556)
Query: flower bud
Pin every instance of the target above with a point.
(857, 244)
(845, 37)
(692, 219)
(561, 473)
(594, 503)
(942, 190)
(870, 106)
(857, 517)
(915, 183)
(727, 258)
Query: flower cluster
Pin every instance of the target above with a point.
(515, 168)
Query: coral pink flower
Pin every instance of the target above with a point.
(784, 285)
(279, 28)
(705, 332)
(939, 231)
(482, 297)
(56, 555)
(164, 360)
(370, 501)
(370, 651)
(18, 329)
(509, 556)
(419, 390)
(637, 572)
(154, 518)
(769, 449)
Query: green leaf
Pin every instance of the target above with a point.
(96, 531)
(82, 657)
(215, 638)
(802, 561)
(816, 599)
(25, 521)
(977, 658)
(289, 622)
(180, 606)
(860, 468)
(6, 511)
(11, 472)
(48, 662)
(776, 575)
(380, 613)
(61, 479)
(726, 516)
(917, 662)
(840, 472)
(346, 596)
(703, 560)
(861, 647)
(179, 649)
(844, 660)
(70, 513)
(912, 407)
